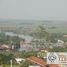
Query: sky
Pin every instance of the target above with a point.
(33, 9)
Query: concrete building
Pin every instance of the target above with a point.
(25, 46)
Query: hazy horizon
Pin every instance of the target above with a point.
(34, 9)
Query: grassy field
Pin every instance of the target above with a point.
(27, 25)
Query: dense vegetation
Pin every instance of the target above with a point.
(41, 37)
(5, 58)
(26, 64)
(8, 40)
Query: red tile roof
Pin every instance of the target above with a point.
(41, 62)
(54, 65)
(37, 60)
(4, 46)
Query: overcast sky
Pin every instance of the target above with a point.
(34, 9)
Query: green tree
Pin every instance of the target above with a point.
(27, 54)
(40, 32)
(41, 36)
(5, 58)
(26, 63)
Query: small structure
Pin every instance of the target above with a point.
(18, 60)
(65, 36)
(65, 44)
(25, 46)
(4, 47)
(60, 43)
(37, 61)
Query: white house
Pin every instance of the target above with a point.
(18, 60)
(60, 43)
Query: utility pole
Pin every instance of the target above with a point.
(11, 63)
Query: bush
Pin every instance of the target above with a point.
(26, 64)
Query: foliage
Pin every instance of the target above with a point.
(22, 54)
(41, 37)
(9, 40)
(27, 54)
(26, 63)
(40, 32)
(5, 58)
(42, 54)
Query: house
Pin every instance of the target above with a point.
(65, 36)
(4, 47)
(36, 44)
(25, 46)
(60, 43)
(41, 62)
(65, 44)
(18, 60)
(37, 61)
(54, 65)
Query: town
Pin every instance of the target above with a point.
(30, 50)
(33, 33)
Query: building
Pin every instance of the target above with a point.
(41, 62)
(37, 61)
(25, 46)
(4, 47)
(59, 43)
(65, 36)
(18, 60)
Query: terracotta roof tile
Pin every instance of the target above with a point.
(37, 60)
(54, 65)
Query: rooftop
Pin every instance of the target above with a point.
(37, 60)
(41, 62)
